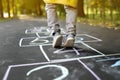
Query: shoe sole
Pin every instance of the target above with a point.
(69, 43)
(58, 41)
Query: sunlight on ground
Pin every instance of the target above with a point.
(30, 17)
(6, 15)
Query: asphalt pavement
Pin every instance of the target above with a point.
(26, 52)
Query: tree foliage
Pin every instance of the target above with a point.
(103, 9)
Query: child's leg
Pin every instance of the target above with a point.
(71, 15)
(51, 14)
(52, 18)
(52, 21)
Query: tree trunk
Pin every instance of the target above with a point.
(1, 9)
(14, 8)
(111, 15)
(8, 8)
(39, 8)
(81, 8)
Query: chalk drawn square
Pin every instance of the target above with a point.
(47, 40)
(73, 70)
(80, 51)
(35, 41)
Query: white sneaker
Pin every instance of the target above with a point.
(69, 41)
(57, 40)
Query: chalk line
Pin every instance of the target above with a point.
(37, 35)
(109, 59)
(41, 48)
(7, 73)
(93, 73)
(86, 57)
(20, 42)
(76, 51)
(64, 70)
(92, 48)
(93, 37)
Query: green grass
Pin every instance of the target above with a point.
(1, 19)
(4, 19)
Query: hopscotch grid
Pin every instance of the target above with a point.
(73, 48)
(38, 36)
(61, 60)
(31, 64)
(52, 61)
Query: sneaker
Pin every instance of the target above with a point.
(54, 29)
(57, 40)
(70, 39)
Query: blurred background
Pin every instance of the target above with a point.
(94, 12)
